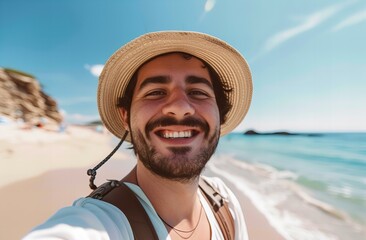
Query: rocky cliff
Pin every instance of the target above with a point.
(22, 98)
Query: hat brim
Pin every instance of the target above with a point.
(231, 67)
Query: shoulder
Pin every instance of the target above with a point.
(87, 219)
(234, 206)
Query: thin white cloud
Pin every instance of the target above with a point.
(351, 20)
(209, 5)
(309, 23)
(95, 70)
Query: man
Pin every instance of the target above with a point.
(172, 94)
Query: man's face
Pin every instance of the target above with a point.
(174, 119)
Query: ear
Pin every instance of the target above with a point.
(124, 115)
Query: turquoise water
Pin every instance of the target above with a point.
(331, 167)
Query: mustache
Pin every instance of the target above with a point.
(168, 121)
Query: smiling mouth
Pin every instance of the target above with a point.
(176, 134)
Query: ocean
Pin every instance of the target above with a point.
(309, 187)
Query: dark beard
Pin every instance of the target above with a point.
(178, 166)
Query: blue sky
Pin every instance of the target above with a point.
(308, 58)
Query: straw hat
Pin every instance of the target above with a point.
(224, 59)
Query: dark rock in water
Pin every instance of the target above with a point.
(251, 132)
(254, 133)
(283, 133)
(22, 97)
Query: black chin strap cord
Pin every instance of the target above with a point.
(93, 171)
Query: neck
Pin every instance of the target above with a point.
(166, 195)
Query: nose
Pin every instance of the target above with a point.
(178, 106)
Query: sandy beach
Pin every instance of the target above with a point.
(44, 170)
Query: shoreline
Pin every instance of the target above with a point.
(258, 225)
(288, 208)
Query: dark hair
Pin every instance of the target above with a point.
(221, 90)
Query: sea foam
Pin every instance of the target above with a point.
(289, 208)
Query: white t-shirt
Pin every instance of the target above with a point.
(92, 219)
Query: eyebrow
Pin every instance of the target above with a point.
(156, 80)
(166, 79)
(197, 80)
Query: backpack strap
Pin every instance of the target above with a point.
(220, 209)
(120, 195)
(115, 191)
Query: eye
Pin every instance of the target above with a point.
(196, 92)
(155, 93)
(199, 94)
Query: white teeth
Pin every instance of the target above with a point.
(182, 134)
